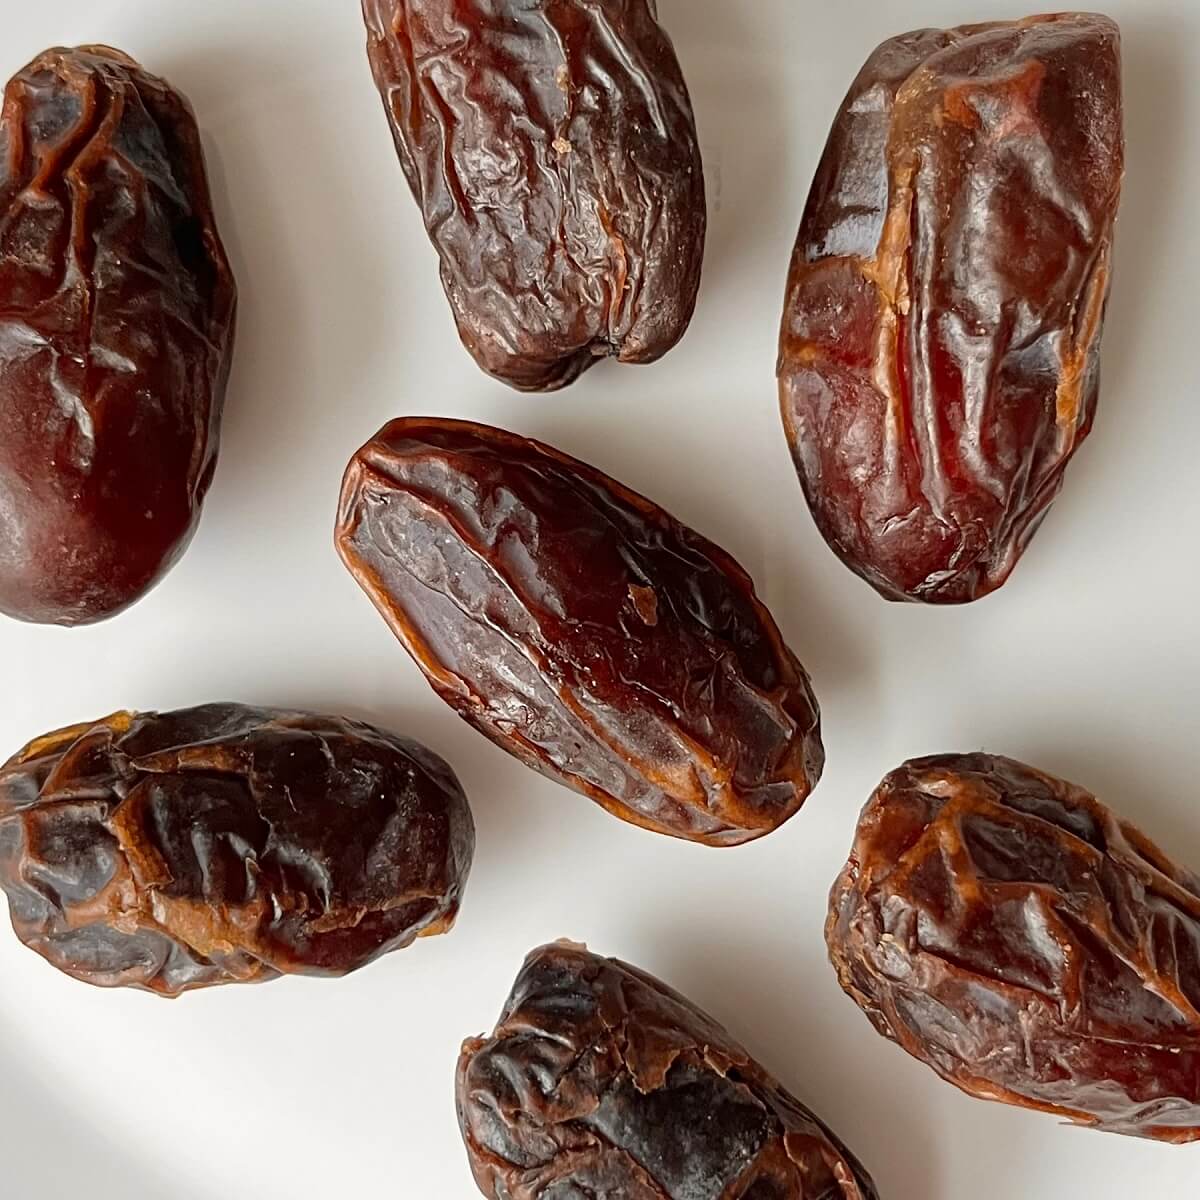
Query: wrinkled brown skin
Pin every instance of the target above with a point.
(940, 353)
(1008, 930)
(599, 1082)
(117, 308)
(228, 844)
(552, 149)
(582, 629)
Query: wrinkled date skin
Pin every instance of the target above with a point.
(1008, 930)
(940, 352)
(582, 629)
(116, 330)
(552, 149)
(227, 844)
(599, 1081)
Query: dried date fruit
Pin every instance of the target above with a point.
(940, 352)
(552, 149)
(227, 844)
(1007, 929)
(582, 628)
(116, 330)
(600, 1081)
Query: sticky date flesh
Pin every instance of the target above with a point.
(582, 628)
(227, 844)
(940, 350)
(1008, 930)
(116, 330)
(600, 1081)
(553, 153)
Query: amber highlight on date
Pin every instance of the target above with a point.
(227, 844)
(599, 1081)
(582, 628)
(552, 150)
(119, 307)
(1007, 929)
(939, 360)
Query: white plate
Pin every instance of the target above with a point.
(1085, 664)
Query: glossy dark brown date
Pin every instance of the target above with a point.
(1007, 929)
(940, 354)
(116, 330)
(582, 628)
(227, 844)
(552, 150)
(601, 1082)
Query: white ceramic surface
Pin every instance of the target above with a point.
(1085, 664)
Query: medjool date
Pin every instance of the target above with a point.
(939, 360)
(228, 844)
(1008, 930)
(582, 628)
(552, 149)
(599, 1081)
(116, 329)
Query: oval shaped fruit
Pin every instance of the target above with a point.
(116, 330)
(227, 844)
(552, 150)
(1008, 930)
(939, 361)
(599, 1081)
(582, 629)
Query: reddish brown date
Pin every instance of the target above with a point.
(582, 628)
(552, 149)
(227, 844)
(940, 352)
(116, 329)
(1008, 930)
(601, 1082)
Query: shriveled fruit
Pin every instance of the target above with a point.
(582, 628)
(228, 844)
(1008, 930)
(939, 360)
(117, 331)
(599, 1081)
(552, 149)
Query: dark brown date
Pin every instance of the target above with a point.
(552, 149)
(116, 329)
(227, 844)
(599, 1081)
(939, 360)
(1008, 930)
(582, 628)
